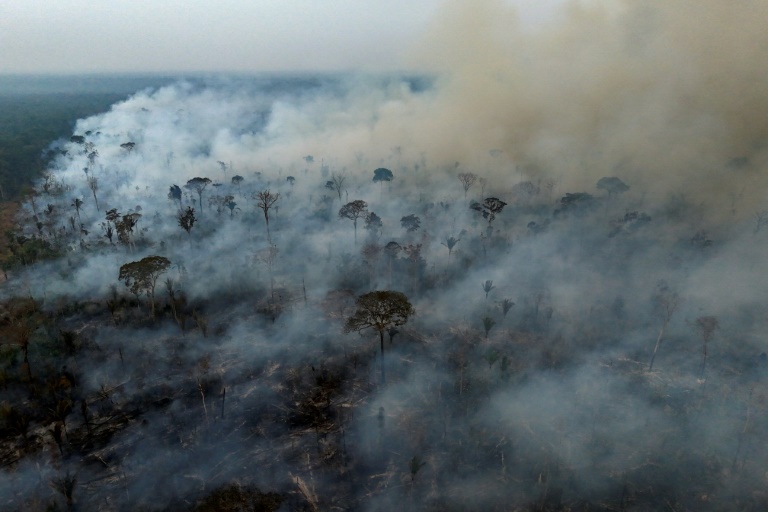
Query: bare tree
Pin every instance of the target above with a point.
(266, 200)
(467, 179)
(336, 183)
(666, 301)
(93, 184)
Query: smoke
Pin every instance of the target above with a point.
(244, 376)
(663, 94)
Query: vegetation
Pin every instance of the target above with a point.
(597, 349)
(380, 311)
(141, 276)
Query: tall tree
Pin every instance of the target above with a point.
(187, 219)
(380, 310)
(266, 200)
(666, 302)
(93, 184)
(198, 185)
(336, 183)
(490, 207)
(381, 175)
(353, 211)
(125, 227)
(77, 203)
(373, 224)
(467, 179)
(450, 243)
(141, 276)
(174, 194)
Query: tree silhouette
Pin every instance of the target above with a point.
(174, 194)
(266, 200)
(487, 287)
(666, 302)
(77, 203)
(373, 223)
(706, 325)
(467, 179)
(125, 227)
(382, 174)
(93, 184)
(187, 219)
(223, 166)
(506, 306)
(612, 185)
(410, 223)
(21, 318)
(229, 202)
(112, 216)
(380, 310)
(141, 276)
(237, 180)
(450, 243)
(353, 211)
(488, 324)
(490, 207)
(392, 249)
(198, 185)
(336, 183)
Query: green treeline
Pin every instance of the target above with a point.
(28, 125)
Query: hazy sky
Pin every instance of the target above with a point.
(226, 35)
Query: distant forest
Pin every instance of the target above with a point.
(37, 110)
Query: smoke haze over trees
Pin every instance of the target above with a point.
(575, 221)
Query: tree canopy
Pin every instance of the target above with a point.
(198, 185)
(612, 185)
(380, 310)
(141, 276)
(382, 174)
(353, 211)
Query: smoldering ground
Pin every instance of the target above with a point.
(524, 380)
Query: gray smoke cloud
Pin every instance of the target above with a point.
(664, 94)
(548, 405)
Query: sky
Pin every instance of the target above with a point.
(87, 36)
